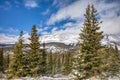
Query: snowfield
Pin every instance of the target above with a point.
(51, 78)
(56, 77)
(41, 78)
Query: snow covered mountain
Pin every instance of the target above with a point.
(65, 39)
(112, 40)
(64, 42)
(61, 38)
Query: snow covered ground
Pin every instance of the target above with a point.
(54, 78)
(41, 78)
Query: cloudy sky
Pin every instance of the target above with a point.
(54, 17)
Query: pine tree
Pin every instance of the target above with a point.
(87, 62)
(43, 61)
(16, 65)
(49, 63)
(54, 58)
(1, 62)
(110, 62)
(113, 62)
(34, 56)
(6, 61)
(67, 63)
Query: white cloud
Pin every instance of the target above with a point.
(111, 26)
(45, 12)
(39, 29)
(45, 28)
(9, 30)
(11, 39)
(72, 11)
(42, 29)
(54, 29)
(69, 24)
(12, 30)
(62, 3)
(26, 36)
(67, 36)
(8, 39)
(75, 11)
(45, 33)
(31, 3)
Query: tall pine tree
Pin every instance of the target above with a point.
(16, 65)
(1, 62)
(87, 63)
(49, 63)
(34, 56)
(67, 65)
(6, 61)
(43, 61)
(113, 62)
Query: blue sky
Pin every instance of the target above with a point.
(54, 16)
(23, 14)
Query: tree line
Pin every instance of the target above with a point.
(91, 59)
(30, 60)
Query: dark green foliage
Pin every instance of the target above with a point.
(1, 62)
(62, 63)
(67, 65)
(43, 69)
(92, 59)
(113, 62)
(110, 62)
(16, 64)
(6, 61)
(88, 60)
(59, 63)
(49, 62)
(34, 56)
(54, 68)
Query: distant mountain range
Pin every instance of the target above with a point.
(68, 40)
(60, 43)
(111, 40)
(6, 45)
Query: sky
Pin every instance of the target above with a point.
(54, 17)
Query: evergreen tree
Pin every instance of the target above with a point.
(54, 58)
(34, 56)
(43, 61)
(57, 64)
(67, 64)
(49, 63)
(1, 62)
(87, 62)
(113, 62)
(6, 61)
(16, 65)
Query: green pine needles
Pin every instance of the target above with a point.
(88, 61)
(91, 61)
(16, 64)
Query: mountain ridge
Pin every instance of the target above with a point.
(59, 44)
